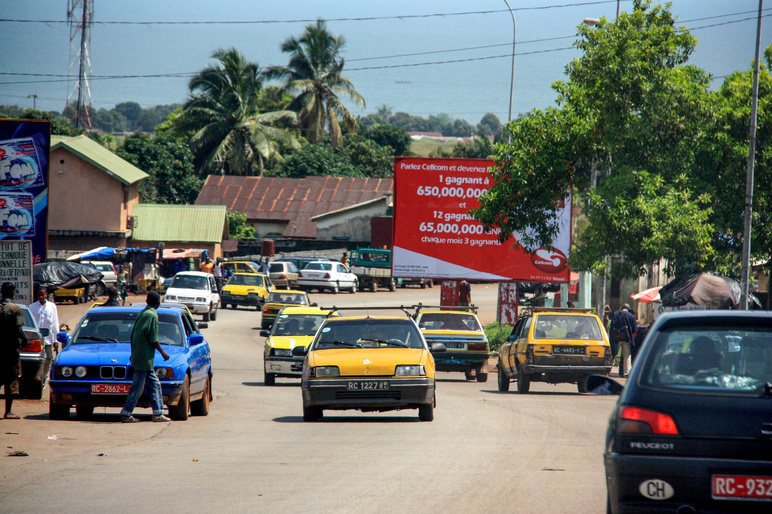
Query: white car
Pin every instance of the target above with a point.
(327, 275)
(109, 276)
(197, 291)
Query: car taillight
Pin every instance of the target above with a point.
(267, 310)
(477, 347)
(300, 274)
(634, 420)
(282, 276)
(327, 275)
(33, 345)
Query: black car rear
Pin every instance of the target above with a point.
(692, 431)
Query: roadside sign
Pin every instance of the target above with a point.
(16, 267)
(436, 237)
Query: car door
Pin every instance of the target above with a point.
(213, 290)
(345, 279)
(506, 353)
(198, 356)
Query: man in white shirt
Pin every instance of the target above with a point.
(217, 272)
(46, 316)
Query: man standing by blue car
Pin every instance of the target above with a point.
(144, 343)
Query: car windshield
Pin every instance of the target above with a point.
(297, 324)
(246, 280)
(189, 282)
(448, 321)
(566, 326)
(727, 358)
(369, 333)
(324, 266)
(288, 298)
(115, 327)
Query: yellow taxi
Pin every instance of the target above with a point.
(76, 294)
(249, 289)
(294, 327)
(464, 338)
(277, 300)
(555, 346)
(369, 364)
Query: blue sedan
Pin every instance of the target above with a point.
(94, 369)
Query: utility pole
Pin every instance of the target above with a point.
(80, 14)
(34, 101)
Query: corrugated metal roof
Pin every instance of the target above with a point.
(184, 223)
(292, 200)
(99, 156)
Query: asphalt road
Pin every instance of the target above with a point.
(485, 451)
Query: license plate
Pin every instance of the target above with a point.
(568, 350)
(370, 385)
(740, 487)
(455, 346)
(110, 388)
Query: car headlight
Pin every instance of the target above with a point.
(164, 373)
(66, 371)
(200, 300)
(80, 371)
(325, 371)
(282, 353)
(410, 371)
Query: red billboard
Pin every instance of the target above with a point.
(436, 237)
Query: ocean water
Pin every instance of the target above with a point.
(476, 82)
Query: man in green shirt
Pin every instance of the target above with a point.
(144, 343)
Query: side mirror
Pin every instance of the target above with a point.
(439, 347)
(63, 337)
(603, 385)
(265, 333)
(511, 337)
(203, 324)
(299, 351)
(45, 332)
(314, 304)
(195, 339)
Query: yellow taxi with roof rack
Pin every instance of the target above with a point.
(554, 345)
(248, 289)
(294, 327)
(459, 329)
(368, 363)
(277, 300)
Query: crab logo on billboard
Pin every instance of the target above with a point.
(16, 214)
(549, 261)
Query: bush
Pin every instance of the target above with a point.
(497, 335)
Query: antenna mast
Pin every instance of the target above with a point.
(80, 14)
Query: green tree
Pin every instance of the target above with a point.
(632, 115)
(389, 135)
(170, 165)
(490, 125)
(237, 226)
(314, 74)
(371, 159)
(317, 160)
(230, 135)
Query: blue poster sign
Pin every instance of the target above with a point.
(24, 152)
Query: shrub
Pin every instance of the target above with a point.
(497, 335)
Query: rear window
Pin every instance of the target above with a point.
(449, 321)
(288, 298)
(710, 358)
(566, 326)
(326, 266)
(276, 267)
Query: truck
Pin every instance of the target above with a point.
(372, 266)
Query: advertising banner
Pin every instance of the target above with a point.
(436, 237)
(16, 267)
(24, 153)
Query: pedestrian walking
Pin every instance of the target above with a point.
(623, 329)
(607, 315)
(12, 338)
(112, 298)
(464, 293)
(217, 272)
(144, 343)
(47, 316)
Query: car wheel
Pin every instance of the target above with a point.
(269, 379)
(469, 375)
(201, 407)
(214, 314)
(374, 286)
(523, 382)
(423, 284)
(502, 379)
(264, 325)
(208, 315)
(31, 389)
(582, 385)
(482, 377)
(312, 413)
(58, 411)
(335, 289)
(430, 283)
(392, 286)
(180, 411)
(426, 412)
(353, 287)
(84, 411)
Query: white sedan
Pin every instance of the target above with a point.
(327, 275)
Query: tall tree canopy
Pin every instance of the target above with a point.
(314, 75)
(649, 149)
(230, 134)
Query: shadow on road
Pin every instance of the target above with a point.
(351, 419)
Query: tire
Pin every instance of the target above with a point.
(392, 286)
(426, 412)
(84, 411)
(430, 284)
(482, 377)
(374, 286)
(58, 411)
(31, 389)
(264, 325)
(208, 315)
(582, 385)
(353, 287)
(312, 413)
(503, 380)
(214, 314)
(523, 382)
(468, 374)
(423, 284)
(269, 379)
(335, 289)
(180, 411)
(201, 407)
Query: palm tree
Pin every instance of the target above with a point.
(314, 75)
(230, 135)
